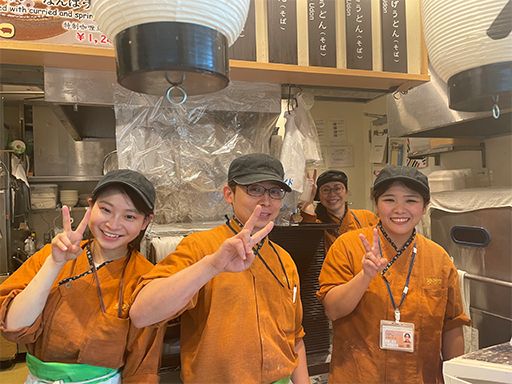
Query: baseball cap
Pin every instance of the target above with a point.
(256, 167)
(397, 173)
(328, 177)
(133, 179)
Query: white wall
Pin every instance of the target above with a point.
(357, 127)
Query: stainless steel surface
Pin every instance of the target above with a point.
(493, 261)
(488, 269)
(57, 154)
(82, 87)
(489, 280)
(424, 112)
(57, 179)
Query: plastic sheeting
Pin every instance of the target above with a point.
(186, 150)
(300, 143)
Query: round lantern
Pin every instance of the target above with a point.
(469, 45)
(172, 47)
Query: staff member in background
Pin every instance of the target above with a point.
(70, 301)
(237, 292)
(331, 190)
(379, 285)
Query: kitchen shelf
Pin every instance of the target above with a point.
(94, 58)
(436, 152)
(48, 179)
(56, 209)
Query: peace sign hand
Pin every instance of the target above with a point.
(373, 262)
(66, 245)
(236, 254)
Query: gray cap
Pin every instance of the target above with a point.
(397, 173)
(257, 167)
(135, 180)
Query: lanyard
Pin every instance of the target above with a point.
(406, 286)
(398, 251)
(411, 264)
(256, 250)
(93, 270)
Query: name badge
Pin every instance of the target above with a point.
(397, 336)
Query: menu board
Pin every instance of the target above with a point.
(244, 47)
(394, 36)
(358, 17)
(50, 21)
(322, 33)
(282, 31)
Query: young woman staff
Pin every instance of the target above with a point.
(392, 294)
(69, 302)
(331, 190)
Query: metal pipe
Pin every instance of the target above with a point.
(488, 280)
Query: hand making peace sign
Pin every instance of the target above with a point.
(373, 262)
(236, 254)
(66, 245)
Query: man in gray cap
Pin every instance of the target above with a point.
(242, 327)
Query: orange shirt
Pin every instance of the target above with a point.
(72, 328)
(240, 327)
(354, 219)
(433, 304)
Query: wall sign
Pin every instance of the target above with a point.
(358, 19)
(394, 36)
(50, 21)
(322, 33)
(282, 31)
(244, 47)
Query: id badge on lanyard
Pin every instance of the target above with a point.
(397, 335)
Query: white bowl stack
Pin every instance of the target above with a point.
(69, 197)
(43, 196)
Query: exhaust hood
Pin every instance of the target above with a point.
(423, 112)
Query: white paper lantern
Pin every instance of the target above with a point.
(177, 44)
(470, 47)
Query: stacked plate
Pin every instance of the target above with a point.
(69, 197)
(43, 196)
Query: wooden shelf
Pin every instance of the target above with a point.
(92, 58)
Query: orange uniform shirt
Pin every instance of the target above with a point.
(72, 328)
(240, 327)
(433, 304)
(354, 219)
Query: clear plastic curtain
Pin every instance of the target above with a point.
(186, 150)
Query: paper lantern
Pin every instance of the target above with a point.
(470, 47)
(172, 47)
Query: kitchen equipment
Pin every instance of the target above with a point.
(474, 226)
(110, 162)
(489, 365)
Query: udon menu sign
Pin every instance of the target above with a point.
(50, 21)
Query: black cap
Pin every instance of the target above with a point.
(397, 173)
(256, 167)
(328, 177)
(135, 180)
